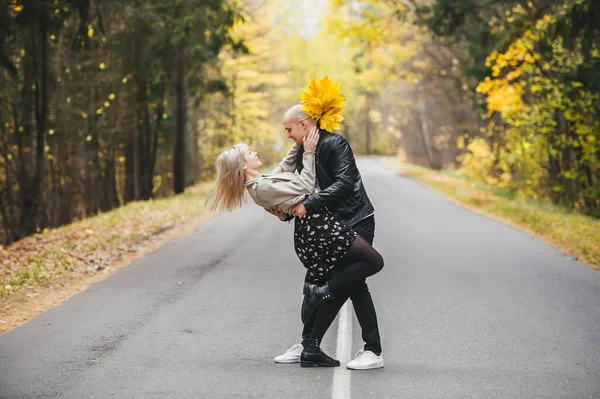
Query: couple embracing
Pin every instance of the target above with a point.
(333, 232)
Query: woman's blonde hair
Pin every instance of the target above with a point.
(229, 192)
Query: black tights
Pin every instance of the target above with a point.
(360, 262)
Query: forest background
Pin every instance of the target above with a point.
(109, 103)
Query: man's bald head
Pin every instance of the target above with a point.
(297, 123)
(295, 114)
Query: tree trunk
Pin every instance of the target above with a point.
(109, 198)
(6, 198)
(191, 156)
(368, 124)
(156, 134)
(180, 121)
(346, 131)
(109, 186)
(130, 124)
(32, 191)
(140, 123)
(425, 131)
(91, 166)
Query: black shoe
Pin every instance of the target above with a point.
(313, 356)
(315, 292)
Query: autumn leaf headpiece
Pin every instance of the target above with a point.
(322, 102)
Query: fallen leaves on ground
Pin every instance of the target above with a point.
(59, 258)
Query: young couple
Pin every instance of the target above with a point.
(333, 233)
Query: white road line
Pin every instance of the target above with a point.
(341, 375)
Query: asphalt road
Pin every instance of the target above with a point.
(468, 308)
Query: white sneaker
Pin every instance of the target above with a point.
(291, 355)
(366, 360)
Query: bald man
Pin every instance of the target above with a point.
(340, 189)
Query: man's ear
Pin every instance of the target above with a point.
(245, 167)
(303, 124)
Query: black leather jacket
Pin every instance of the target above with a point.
(339, 181)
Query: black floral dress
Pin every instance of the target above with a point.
(321, 241)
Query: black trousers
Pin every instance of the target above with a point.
(361, 300)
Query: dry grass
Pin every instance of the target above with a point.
(573, 234)
(42, 270)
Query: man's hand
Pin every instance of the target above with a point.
(299, 210)
(273, 211)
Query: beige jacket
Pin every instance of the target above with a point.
(282, 189)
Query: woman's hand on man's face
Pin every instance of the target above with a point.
(311, 139)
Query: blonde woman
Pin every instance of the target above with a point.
(322, 243)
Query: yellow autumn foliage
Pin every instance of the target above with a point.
(322, 102)
(502, 96)
(477, 161)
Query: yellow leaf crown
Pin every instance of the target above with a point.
(322, 102)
